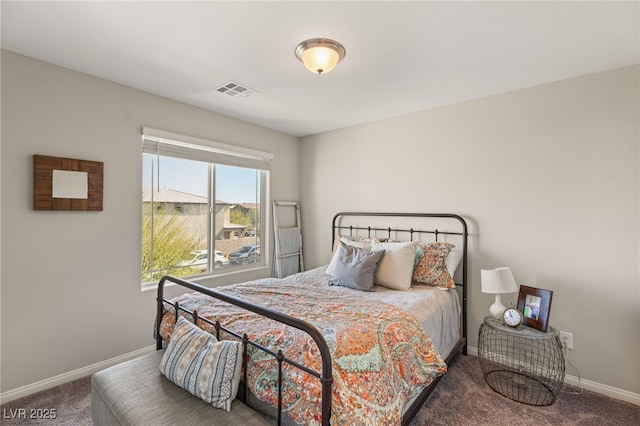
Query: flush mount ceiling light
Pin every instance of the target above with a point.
(320, 55)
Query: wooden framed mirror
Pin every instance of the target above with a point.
(67, 184)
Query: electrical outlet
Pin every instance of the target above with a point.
(567, 339)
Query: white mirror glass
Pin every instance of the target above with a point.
(67, 184)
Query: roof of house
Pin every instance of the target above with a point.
(166, 195)
(234, 226)
(246, 205)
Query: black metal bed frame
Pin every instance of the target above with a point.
(326, 375)
(461, 346)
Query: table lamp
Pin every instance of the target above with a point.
(497, 281)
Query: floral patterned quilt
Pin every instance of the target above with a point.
(381, 355)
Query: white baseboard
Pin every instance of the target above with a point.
(71, 375)
(606, 390)
(20, 392)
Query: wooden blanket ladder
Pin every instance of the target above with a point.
(288, 239)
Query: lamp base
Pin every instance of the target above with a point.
(497, 309)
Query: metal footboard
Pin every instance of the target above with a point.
(325, 376)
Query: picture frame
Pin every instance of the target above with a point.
(535, 304)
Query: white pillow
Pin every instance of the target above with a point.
(363, 243)
(452, 260)
(396, 266)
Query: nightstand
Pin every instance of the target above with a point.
(523, 364)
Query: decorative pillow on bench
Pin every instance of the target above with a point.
(197, 362)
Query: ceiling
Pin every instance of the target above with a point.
(402, 57)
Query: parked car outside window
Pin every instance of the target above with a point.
(199, 260)
(220, 260)
(246, 254)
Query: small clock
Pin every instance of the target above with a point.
(512, 317)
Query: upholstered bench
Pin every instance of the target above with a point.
(135, 393)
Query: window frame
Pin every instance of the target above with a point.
(163, 143)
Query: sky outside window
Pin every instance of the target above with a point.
(233, 184)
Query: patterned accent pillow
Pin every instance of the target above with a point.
(431, 268)
(452, 260)
(197, 362)
(355, 267)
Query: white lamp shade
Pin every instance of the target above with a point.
(497, 280)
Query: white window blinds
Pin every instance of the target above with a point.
(160, 142)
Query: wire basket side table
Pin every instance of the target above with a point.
(525, 365)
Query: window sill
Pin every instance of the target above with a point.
(153, 286)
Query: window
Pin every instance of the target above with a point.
(200, 197)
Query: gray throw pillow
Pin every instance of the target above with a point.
(355, 267)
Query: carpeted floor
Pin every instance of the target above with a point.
(71, 403)
(462, 398)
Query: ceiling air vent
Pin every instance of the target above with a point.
(236, 90)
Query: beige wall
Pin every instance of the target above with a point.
(548, 178)
(70, 280)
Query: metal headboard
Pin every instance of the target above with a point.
(336, 229)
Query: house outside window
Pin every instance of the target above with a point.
(190, 198)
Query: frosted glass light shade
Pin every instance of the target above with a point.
(320, 55)
(497, 281)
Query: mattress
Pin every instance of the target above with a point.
(438, 310)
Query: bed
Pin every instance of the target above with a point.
(318, 351)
